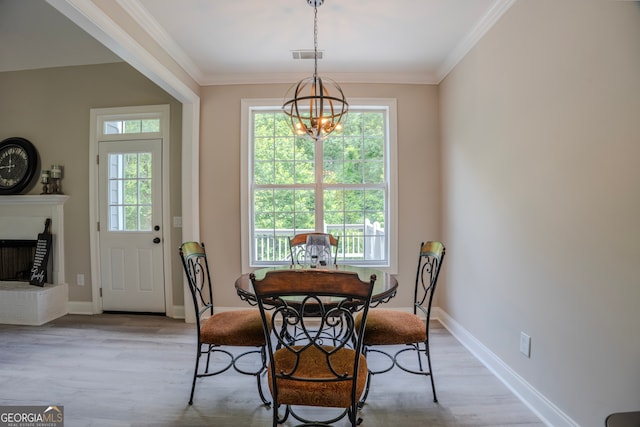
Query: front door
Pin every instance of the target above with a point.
(130, 220)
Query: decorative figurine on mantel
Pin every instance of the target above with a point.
(52, 177)
(56, 176)
(44, 180)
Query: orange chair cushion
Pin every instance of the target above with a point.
(335, 394)
(234, 328)
(388, 327)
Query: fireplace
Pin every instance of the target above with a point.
(16, 259)
(22, 218)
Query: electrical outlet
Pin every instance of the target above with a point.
(80, 280)
(525, 344)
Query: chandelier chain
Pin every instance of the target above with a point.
(315, 41)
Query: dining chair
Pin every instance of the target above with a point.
(217, 331)
(385, 327)
(313, 369)
(300, 250)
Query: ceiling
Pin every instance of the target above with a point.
(35, 35)
(251, 41)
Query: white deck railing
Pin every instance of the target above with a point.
(357, 242)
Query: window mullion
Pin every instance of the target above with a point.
(319, 172)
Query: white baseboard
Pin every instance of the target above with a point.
(178, 312)
(86, 307)
(81, 307)
(549, 413)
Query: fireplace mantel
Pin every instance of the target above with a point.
(36, 199)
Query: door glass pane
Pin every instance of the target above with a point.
(115, 127)
(130, 191)
(145, 191)
(144, 216)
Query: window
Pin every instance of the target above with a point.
(344, 185)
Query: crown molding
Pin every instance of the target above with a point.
(342, 78)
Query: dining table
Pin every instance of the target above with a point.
(385, 286)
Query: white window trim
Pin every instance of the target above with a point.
(246, 169)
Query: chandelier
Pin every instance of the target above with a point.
(315, 106)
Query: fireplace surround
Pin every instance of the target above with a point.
(22, 217)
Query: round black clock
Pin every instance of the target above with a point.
(18, 163)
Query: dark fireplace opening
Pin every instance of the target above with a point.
(16, 259)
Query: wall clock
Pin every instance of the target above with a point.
(18, 163)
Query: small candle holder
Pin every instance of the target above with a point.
(56, 177)
(44, 180)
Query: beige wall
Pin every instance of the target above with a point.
(541, 145)
(50, 108)
(418, 176)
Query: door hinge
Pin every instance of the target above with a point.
(98, 226)
(100, 292)
(97, 159)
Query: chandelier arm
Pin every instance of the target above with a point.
(298, 115)
(320, 107)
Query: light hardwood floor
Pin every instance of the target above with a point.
(135, 370)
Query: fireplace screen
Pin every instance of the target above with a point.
(16, 259)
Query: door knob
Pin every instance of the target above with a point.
(156, 240)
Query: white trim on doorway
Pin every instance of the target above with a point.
(97, 117)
